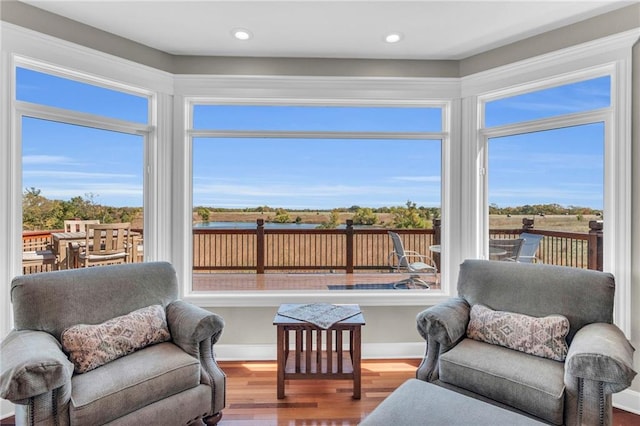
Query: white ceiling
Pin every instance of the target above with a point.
(328, 29)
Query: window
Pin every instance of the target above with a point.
(546, 169)
(273, 189)
(83, 150)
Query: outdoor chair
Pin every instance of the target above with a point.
(529, 247)
(111, 345)
(78, 225)
(508, 250)
(411, 262)
(105, 244)
(538, 339)
(36, 253)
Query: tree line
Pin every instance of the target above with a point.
(41, 213)
(543, 209)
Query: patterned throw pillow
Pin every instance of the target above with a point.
(90, 346)
(544, 337)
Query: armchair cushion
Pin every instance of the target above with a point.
(90, 346)
(600, 352)
(131, 383)
(544, 337)
(522, 381)
(32, 364)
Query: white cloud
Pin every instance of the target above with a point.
(46, 159)
(435, 179)
(65, 174)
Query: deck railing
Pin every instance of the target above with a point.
(352, 249)
(263, 249)
(347, 250)
(576, 249)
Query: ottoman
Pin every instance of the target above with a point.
(420, 403)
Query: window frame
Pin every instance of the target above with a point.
(605, 58)
(307, 91)
(24, 109)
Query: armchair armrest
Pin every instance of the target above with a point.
(446, 322)
(196, 330)
(600, 352)
(189, 325)
(31, 363)
(442, 326)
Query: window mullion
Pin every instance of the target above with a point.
(81, 119)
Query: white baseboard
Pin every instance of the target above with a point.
(369, 351)
(627, 400)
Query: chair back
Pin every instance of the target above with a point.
(53, 301)
(107, 239)
(584, 296)
(78, 225)
(510, 249)
(398, 249)
(529, 247)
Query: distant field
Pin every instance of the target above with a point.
(568, 223)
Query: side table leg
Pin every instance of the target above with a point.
(281, 359)
(355, 341)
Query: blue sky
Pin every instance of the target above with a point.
(562, 166)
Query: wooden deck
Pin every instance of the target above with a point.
(292, 281)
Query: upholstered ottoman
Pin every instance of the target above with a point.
(421, 403)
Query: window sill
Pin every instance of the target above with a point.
(275, 298)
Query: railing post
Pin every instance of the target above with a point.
(594, 260)
(260, 246)
(436, 240)
(527, 223)
(349, 246)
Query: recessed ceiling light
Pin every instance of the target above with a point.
(393, 37)
(241, 34)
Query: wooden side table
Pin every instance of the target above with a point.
(306, 351)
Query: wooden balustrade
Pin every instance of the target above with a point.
(300, 250)
(349, 250)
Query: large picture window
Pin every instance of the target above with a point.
(302, 197)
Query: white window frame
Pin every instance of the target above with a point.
(306, 91)
(610, 56)
(24, 109)
(30, 49)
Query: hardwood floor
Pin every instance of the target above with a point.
(251, 396)
(252, 401)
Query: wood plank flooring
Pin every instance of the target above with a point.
(252, 401)
(251, 395)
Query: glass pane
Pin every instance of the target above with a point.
(66, 161)
(550, 183)
(570, 98)
(315, 173)
(312, 118)
(50, 90)
(305, 190)
(78, 173)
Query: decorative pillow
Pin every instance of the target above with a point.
(544, 337)
(90, 346)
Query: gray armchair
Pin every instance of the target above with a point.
(175, 382)
(576, 391)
